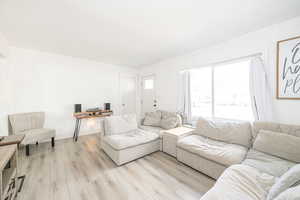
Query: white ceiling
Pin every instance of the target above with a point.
(134, 32)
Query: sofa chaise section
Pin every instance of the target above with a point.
(124, 142)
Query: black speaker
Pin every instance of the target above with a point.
(107, 106)
(77, 108)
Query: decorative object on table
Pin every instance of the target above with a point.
(77, 108)
(288, 70)
(94, 111)
(88, 115)
(106, 106)
(33, 129)
(8, 169)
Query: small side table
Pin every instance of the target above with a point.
(12, 139)
(15, 140)
(170, 138)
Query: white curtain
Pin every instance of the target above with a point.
(260, 90)
(184, 96)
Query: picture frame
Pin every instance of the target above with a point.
(288, 69)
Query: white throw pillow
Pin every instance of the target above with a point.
(152, 118)
(169, 120)
(278, 144)
(292, 193)
(289, 179)
(235, 132)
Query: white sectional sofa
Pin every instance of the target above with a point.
(123, 141)
(271, 169)
(250, 162)
(215, 145)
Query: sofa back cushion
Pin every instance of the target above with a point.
(276, 127)
(26, 121)
(152, 118)
(170, 120)
(278, 144)
(235, 132)
(120, 124)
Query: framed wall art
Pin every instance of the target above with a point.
(288, 68)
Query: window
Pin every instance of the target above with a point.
(221, 91)
(148, 84)
(201, 92)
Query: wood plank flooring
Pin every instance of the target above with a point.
(82, 171)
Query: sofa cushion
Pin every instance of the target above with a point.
(276, 127)
(219, 152)
(289, 179)
(152, 118)
(267, 163)
(130, 139)
(153, 129)
(234, 132)
(240, 182)
(278, 144)
(169, 120)
(292, 193)
(37, 135)
(119, 124)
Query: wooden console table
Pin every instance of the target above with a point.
(8, 172)
(88, 115)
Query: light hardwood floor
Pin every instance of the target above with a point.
(82, 171)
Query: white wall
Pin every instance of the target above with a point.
(5, 82)
(54, 83)
(264, 41)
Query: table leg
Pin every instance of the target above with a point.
(78, 129)
(22, 178)
(75, 130)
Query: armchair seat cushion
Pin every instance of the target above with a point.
(217, 151)
(130, 139)
(37, 135)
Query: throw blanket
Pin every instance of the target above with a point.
(241, 182)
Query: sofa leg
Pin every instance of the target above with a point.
(27, 149)
(52, 142)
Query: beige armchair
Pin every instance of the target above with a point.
(32, 126)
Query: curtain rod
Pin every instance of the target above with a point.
(226, 61)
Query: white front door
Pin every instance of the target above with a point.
(128, 94)
(149, 102)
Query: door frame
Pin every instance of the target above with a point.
(130, 75)
(142, 89)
